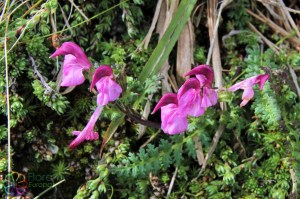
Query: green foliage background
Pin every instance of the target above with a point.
(255, 157)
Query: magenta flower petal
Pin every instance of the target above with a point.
(262, 80)
(74, 63)
(247, 95)
(99, 73)
(73, 49)
(249, 82)
(168, 98)
(172, 121)
(204, 74)
(247, 86)
(210, 97)
(108, 89)
(72, 72)
(88, 132)
(190, 103)
(189, 98)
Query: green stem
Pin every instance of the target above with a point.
(53, 186)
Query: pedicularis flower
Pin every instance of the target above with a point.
(205, 75)
(107, 88)
(173, 119)
(108, 91)
(75, 63)
(247, 86)
(195, 96)
(88, 132)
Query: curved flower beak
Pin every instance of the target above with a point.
(204, 74)
(168, 98)
(73, 49)
(99, 73)
(74, 63)
(172, 121)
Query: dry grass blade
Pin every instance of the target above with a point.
(168, 11)
(146, 40)
(289, 17)
(294, 41)
(7, 100)
(185, 51)
(65, 19)
(265, 39)
(295, 79)
(212, 148)
(172, 183)
(274, 3)
(79, 10)
(213, 23)
(288, 24)
(199, 150)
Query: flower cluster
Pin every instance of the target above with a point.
(195, 96)
(192, 99)
(75, 62)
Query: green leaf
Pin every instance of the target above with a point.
(167, 42)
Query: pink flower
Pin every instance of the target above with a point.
(74, 63)
(190, 99)
(247, 86)
(209, 98)
(88, 132)
(108, 89)
(204, 74)
(173, 120)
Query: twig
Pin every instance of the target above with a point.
(294, 41)
(3, 11)
(131, 115)
(275, 48)
(294, 77)
(23, 32)
(217, 71)
(290, 19)
(32, 7)
(146, 40)
(294, 181)
(278, 5)
(65, 19)
(199, 150)
(53, 186)
(172, 183)
(211, 149)
(216, 25)
(7, 102)
(43, 82)
(232, 33)
(19, 6)
(79, 10)
(150, 139)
